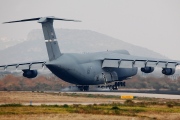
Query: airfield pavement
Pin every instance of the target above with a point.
(150, 95)
(38, 98)
(35, 98)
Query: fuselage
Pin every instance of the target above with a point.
(86, 69)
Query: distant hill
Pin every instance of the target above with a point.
(6, 42)
(70, 40)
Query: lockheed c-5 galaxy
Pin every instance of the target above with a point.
(88, 69)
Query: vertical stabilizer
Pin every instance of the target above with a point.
(50, 39)
(49, 34)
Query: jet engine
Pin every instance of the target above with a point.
(168, 71)
(30, 73)
(147, 69)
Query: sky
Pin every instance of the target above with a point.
(153, 24)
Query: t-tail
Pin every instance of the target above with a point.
(49, 34)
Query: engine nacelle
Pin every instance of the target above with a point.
(147, 69)
(30, 73)
(168, 71)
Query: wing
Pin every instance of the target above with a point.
(129, 61)
(23, 66)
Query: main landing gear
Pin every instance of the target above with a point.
(115, 86)
(111, 87)
(83, 87)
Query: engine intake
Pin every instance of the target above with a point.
(147, 69)
(30, 73)
(168, 71)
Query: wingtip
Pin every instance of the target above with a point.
(7, 22)
(77, 21)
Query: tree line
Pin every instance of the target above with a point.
(51, 82)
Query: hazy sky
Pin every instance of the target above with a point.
(154, 24)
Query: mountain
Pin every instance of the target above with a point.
(8, 42)
(70, 40)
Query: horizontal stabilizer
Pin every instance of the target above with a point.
(43, 19)
(32, 19)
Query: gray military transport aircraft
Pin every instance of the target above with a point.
(88, 69)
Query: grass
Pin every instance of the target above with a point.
(128, 109)
(138, 107)
(11, 105)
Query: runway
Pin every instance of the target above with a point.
(150, 95)
(165, 96)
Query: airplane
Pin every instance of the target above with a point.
(91, 68)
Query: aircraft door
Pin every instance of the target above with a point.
(114, 76)
(105, 77)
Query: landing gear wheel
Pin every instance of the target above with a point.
(124, 84)
(117, 85)
(86, 88)
(83, 88)
(121, 84)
